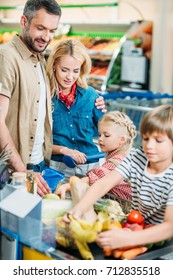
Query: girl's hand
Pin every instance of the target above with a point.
(61, 191)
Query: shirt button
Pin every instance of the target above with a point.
(35, 120)
(37, 101)
(35, 65)
(69, 113)
(32, 137)
(72, 139)
(71, 125)
(39, 83)
(29, 155)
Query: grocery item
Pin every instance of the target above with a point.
(31, 183)
(77, 189)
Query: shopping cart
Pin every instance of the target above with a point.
(70, 162)
(136, 105)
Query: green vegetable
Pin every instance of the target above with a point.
(160, 243)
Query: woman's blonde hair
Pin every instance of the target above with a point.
(159, 119)
(128, 127)
(78, 51)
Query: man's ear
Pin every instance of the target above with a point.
(23, 21)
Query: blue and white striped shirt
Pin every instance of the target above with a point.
(151, 193)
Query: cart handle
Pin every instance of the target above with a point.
(70, 162)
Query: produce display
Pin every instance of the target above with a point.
(100, 51)
(7, 36)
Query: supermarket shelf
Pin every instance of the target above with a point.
(113, 4)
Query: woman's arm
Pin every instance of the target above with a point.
(79, 157)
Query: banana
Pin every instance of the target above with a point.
(62, 240)
(81, 234)
(51, 196)
(84, 250)
(97, 226)
(84, 224)
(107, 224)
(60, 223)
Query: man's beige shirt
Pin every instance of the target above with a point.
(21, 83)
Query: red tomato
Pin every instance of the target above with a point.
(125, 224)
(135, 217)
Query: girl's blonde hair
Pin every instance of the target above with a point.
(159, 119)
(78, 51)
(128, 127)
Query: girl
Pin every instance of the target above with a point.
(75, 116)
(150, 171)
(116, 133)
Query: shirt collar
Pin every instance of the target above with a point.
(23, 50)
(80, 90)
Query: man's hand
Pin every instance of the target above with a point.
(100, 104)
(42, 186)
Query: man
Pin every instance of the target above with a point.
(25, 101)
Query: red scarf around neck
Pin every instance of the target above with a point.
(68, 99)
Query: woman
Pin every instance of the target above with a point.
(75, 116)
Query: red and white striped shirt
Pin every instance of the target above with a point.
(122, 190)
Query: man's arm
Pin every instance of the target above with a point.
(15, 161)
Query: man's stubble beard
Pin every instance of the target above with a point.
(30, 43)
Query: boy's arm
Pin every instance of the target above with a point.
(96, 191)
(117, 238)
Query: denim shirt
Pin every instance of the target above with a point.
(75, 127)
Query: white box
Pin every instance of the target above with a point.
(21, 214)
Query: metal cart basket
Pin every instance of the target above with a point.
(136, 105)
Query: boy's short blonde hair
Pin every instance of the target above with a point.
(159, 119)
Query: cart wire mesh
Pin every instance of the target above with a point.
(136, 105)
(125, 204)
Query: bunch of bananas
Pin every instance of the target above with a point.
(84, 232)
(80, 232)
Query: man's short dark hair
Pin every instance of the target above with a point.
(32, 6)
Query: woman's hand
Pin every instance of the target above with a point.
(80, 158)
(61, 190)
